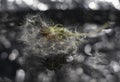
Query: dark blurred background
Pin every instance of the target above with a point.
(83, 13)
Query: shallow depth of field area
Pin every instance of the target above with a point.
(59, 41)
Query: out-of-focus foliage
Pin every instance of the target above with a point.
(43, 5)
